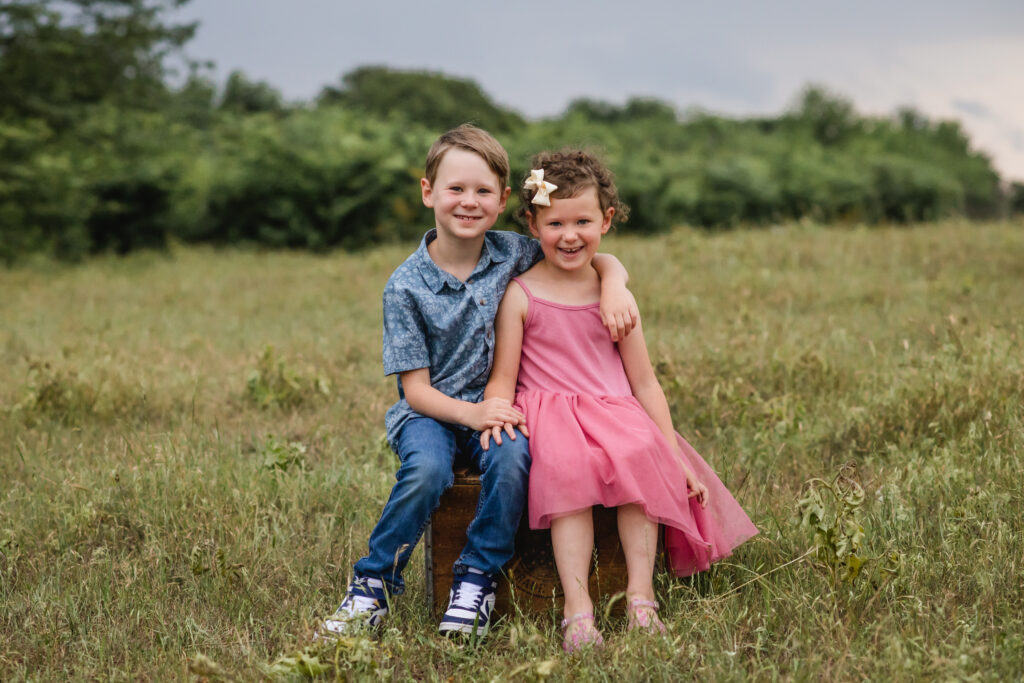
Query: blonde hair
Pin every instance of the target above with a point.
(473, 139)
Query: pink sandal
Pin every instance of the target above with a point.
(575, 639)
(643, 615)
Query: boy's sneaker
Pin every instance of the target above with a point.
(364, 607)
(469, 604)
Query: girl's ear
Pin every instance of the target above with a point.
(606, 224)
(531, 222)
(428, 200)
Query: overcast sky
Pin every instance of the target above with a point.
(962, 60)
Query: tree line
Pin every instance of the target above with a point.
(103, 149)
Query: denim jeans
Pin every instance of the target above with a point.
(428, 450)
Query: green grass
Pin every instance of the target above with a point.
(191, 458)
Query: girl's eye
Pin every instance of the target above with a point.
(456, 188)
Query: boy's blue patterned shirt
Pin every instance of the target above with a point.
(434, 320)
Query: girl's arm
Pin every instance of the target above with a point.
(619, 311)
(647, 390)
(508, 344)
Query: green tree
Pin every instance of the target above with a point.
(432, 99)
(58, 55)
(243, 96)
(831, 119)
(1016, 199)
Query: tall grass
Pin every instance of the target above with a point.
(191, 458)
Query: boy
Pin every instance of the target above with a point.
(439, 309)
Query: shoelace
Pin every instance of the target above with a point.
(358, 604)
(468, 596)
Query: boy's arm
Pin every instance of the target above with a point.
(426, 400)
(405, 355)
(619, 311)
(508, 344)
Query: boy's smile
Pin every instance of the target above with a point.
(466, 196)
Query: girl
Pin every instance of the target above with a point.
(600, 428)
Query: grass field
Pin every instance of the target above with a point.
(191, 459)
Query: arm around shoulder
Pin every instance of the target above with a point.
(619, 311)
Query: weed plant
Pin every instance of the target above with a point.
(191, 459)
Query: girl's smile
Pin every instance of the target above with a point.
(570, 229)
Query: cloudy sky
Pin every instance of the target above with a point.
(949, 59)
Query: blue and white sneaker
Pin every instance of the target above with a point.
(364, 607)
(470, 603)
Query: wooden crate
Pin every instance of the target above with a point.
(532, 578)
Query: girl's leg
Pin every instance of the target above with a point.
(572, 540)
(639, 537)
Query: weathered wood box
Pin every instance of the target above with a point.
(532, 578)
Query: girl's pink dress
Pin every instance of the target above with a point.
(592, 443)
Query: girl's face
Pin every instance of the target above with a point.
(570, 229)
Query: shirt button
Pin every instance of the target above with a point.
(469, 281)
(483, 302)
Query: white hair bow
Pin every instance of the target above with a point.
(544, 189)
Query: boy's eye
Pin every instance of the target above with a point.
(583, 221)
(456, 188)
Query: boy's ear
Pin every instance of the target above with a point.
(504, 199)
(427, 192)
(607, 223)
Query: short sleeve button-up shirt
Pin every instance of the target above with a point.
(434, 320)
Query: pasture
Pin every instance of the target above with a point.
(191, 459)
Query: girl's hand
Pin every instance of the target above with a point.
(495, 433)
(697, 490)
(492, 412)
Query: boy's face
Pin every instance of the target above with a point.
(466, 195)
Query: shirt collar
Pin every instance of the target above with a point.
(436, 278)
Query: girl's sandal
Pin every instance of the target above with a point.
(584, 635)
(643, 615)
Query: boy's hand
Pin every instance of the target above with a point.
(492, 412)
(619, 312)
(495, 433)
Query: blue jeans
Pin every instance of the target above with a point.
(428, 450)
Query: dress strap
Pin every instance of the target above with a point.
(529, 294)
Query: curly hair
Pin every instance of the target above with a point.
(574, 170)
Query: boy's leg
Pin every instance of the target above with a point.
(491, 534)
(427, 451)
(504, 480)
